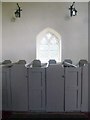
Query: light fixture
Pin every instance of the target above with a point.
(73, 11)
(18, 11)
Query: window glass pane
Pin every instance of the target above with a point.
(53, 47)
(43, 54)
(49, 48)
(44, 41)
(48, 35)
(53, 53)
(43, 47)
(53, 41)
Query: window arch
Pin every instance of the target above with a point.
(48, 45)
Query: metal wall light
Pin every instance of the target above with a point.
(73, 11)
(18, 11)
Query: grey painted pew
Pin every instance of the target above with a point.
(84, 85)
(72, 89)
(42, 89)
(36, 89)
(6, 88)
(0, 89)
(19, 91)
(88, 87)
(55, 88)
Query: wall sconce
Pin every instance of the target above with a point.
(18, 11)
(73, 11)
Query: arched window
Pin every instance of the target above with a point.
(48, 45)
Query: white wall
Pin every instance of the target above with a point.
(0, 31)
(19, 37)
(89, 56)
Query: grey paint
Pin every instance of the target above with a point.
(0, 90)
(6, 88)
(84, 106)
(42, 89)
(19, 37)
(55, 88)
(37, 89)
(89, 87)
(19, 88)
(72, 89)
